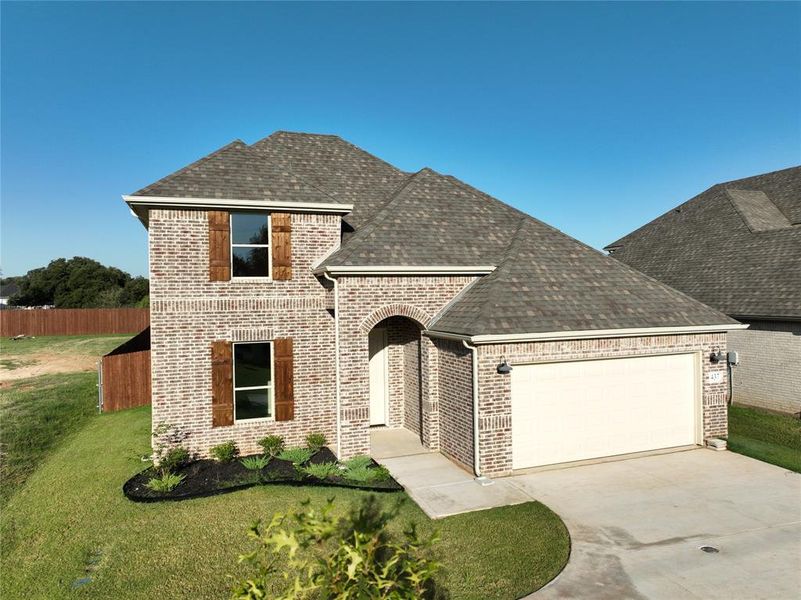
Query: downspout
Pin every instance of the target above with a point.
(336, 360)
(476, 462)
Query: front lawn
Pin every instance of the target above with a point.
(36, 415)
(766, 436)
(71, 522)
(88, 345)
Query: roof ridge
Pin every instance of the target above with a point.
(500, 273)
(262, 157)
(235, 143)
(378, 215)
(727, 183)
(351, 145)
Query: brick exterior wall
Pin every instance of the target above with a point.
(403, 341)
(769, 375)
(455, 401)
(430, 379)
(495, 394)
(363, 303)
(188, 312)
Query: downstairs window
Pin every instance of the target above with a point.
(253, 380)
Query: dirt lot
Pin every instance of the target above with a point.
(32, 357)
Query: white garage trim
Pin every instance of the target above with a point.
(577, 410)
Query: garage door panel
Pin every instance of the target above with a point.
(569, 411)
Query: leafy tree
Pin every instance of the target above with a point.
(79, 283)
(315, 554)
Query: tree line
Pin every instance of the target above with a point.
(78, 282)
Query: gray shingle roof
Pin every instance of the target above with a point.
(544, 281)
(236, 171)
(736, 246)
(550, 282)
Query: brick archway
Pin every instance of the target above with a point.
(419, 316)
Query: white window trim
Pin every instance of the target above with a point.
(269, 246)
(270, 387)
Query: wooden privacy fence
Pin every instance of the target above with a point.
(73, 321)
(124, 375)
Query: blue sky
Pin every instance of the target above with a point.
(593, 117)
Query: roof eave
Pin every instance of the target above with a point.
(512, 338)
(141, 204)
(376, 270)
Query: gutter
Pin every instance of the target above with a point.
(512, 338)
(404, 270)
(336, 359)
(476, 461)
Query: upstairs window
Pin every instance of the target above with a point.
(253, 381)
(250, 245)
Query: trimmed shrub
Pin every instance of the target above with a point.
(173, 458)
(272, 445)
(225, 452)
(315, 441)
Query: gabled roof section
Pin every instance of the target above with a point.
(432, 219)
(236, 171)
(549, 282)
(345, 171)
(736, 246)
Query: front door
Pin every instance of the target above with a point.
(379, 384)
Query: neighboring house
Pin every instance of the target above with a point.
(737, 248)
(7, 290)
(301, 284)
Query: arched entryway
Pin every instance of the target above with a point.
(396, 379)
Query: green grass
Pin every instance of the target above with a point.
(766, 436)
(71, 520)
(36, 415)
(86, 345)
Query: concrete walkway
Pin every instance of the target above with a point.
(436, 484)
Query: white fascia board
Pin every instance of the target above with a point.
(588, 334)
(335, 271)
(169, 202)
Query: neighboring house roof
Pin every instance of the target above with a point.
(545, 281)
(736, 246)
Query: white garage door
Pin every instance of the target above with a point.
(569, 411)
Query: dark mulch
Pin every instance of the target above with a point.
(208, 477)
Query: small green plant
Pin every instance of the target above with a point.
(360, 461)
(165, 482)
(321, 470)
(255, 463)
(297, 456)
(225, 452)
(315, 441)
(272, 445)
(366, 474)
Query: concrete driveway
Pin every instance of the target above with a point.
(637, 525)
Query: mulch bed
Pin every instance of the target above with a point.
(208, 477)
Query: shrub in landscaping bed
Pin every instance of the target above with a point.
(208, 477)
(225, 452)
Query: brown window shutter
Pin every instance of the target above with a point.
(282, 245)
(219, 246)
(284, 380)
(222, 384)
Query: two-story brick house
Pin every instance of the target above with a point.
(301, 284)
